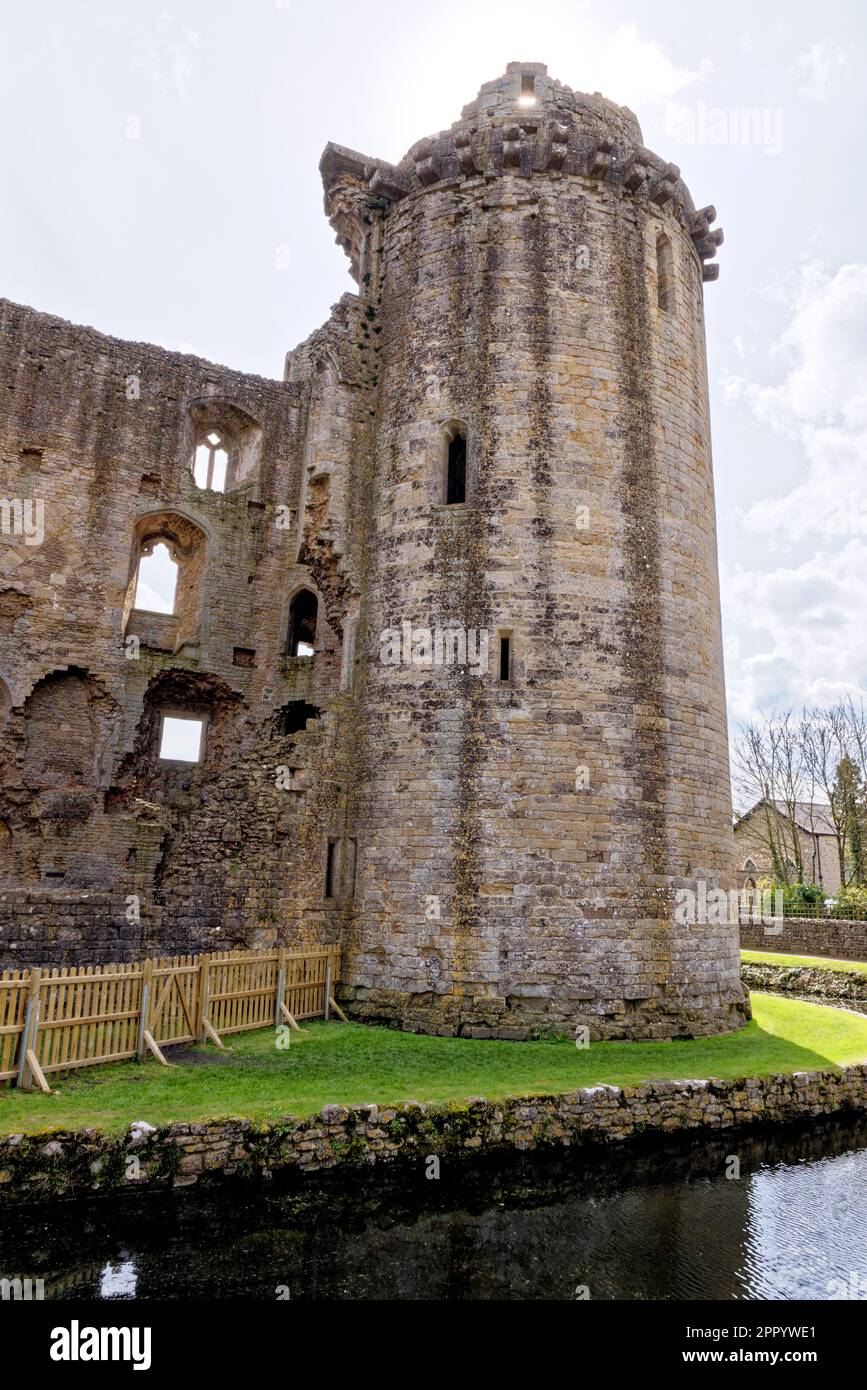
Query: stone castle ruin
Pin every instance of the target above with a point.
(440, 678)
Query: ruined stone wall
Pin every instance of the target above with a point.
(504, 852)
(101, 433)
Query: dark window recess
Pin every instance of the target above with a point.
(54, 873)
(303, 612)
(243, 656)
(330, 869)
(456, 481)
(528, 85)
(292, 718)
(505, 658)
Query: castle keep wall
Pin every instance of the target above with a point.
(524, 837)
(502, 439)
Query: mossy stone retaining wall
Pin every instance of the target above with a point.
(801, 980)
(64, 1163)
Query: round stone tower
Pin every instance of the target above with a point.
(542, 750)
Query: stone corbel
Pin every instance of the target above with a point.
(635, 175)
(706, 240)
(706, 246)
(465, 156)
(427, 165)
(700, 223)
(599, 161)
(389, 182)
(662, 190)
(512, 147)
(559, 146)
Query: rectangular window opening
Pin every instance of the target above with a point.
(181, 739)
(505, 657)
(331, 869)
(456, 474)
(528, 90)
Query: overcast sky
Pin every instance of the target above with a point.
(160, 182)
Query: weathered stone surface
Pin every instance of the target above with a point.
(506, 851)
(808, 936)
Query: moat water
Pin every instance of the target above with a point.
(661, 1223)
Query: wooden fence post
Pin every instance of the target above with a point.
(281, 985)
(28, 1035)
(328, 986)
(147, 972)
(204, 981)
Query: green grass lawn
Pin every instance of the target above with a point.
(352, 1064)
(856, 967)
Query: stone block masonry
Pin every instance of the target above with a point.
(74, 1163)
(808, 936)
(504, 431)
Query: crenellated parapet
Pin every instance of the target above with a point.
(523, 124)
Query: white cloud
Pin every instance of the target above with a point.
(808, 640)
(821, 403)
(807, 621)
(168, 53)
(164, 49)
(825, 345)
(636, 71)
(816, 70)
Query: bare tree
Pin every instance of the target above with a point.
(824, 746)
(771, 777)
(807, 771)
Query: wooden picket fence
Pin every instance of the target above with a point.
(53, 1020)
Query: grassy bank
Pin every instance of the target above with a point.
(351, 1064)
(852, 967)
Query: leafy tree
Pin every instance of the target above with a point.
(847, 799)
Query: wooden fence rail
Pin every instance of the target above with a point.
(81, 1016)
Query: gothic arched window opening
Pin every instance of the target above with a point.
(303, 613)
(156, 578)
(211, 462)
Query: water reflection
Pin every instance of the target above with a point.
(657, 1224)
